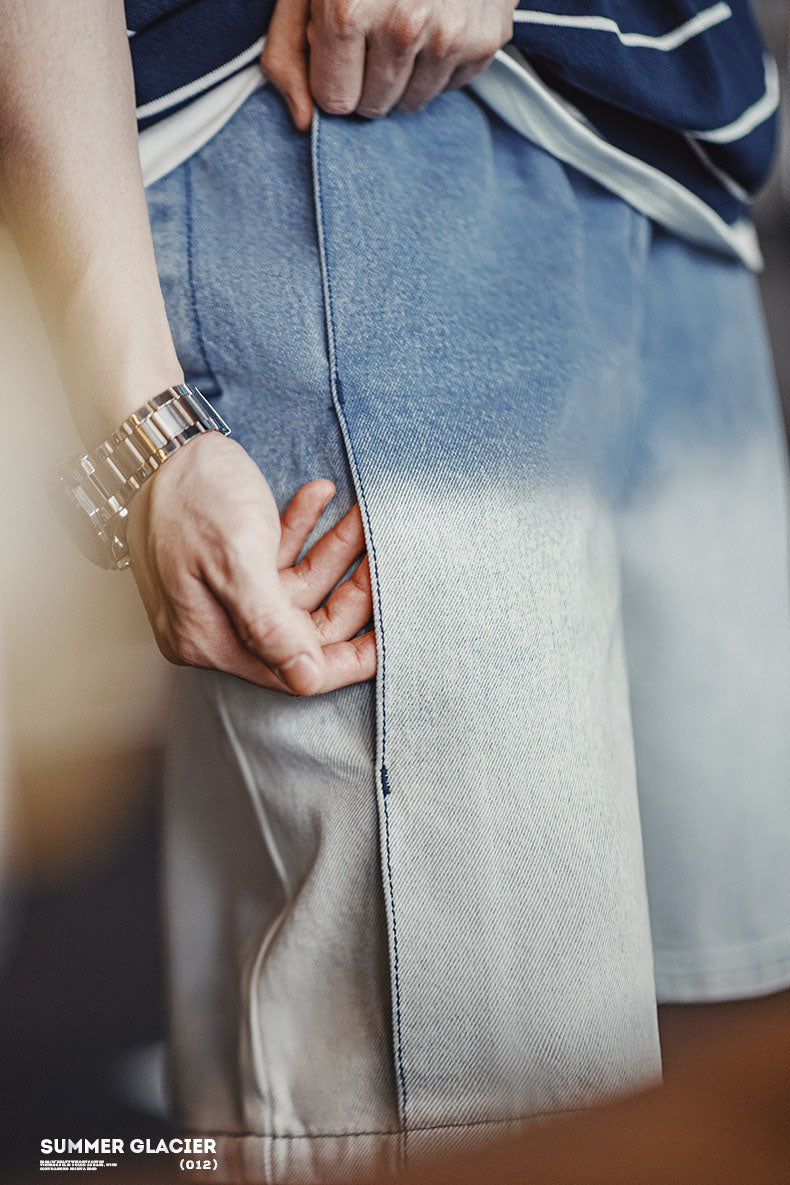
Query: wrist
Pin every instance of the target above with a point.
(91, 494)
(99, 410)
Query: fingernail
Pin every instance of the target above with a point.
(303, 665)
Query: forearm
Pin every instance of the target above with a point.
(72, 194)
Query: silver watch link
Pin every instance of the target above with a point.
(91, 493)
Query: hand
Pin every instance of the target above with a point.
(369, 56)
(215, 566)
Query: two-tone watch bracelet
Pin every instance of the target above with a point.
(99, 485)
(146, 438)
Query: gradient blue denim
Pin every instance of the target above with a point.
(408, 911)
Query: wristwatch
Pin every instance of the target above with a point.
(90, 494)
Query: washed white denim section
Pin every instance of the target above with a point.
(276, 888)
(409, 911)
(709, 661)
(704, 541)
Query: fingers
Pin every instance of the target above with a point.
(348, 608)
(346, 658)
(348, 662)
(193, 629)
(454, 51)
(430, 76)
(354, 55)
(465, 74)
(337, 57)
(326, 561)
(389, 62)
(300, 516)
(206, 557)
(284, 59)
(268, 624)
(330, 557)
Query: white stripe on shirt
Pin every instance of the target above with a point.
(729, 183)
(201, 84)
(664, 41)
(752, 117)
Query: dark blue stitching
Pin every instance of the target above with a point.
(395, 960)
(191, 276)
(385, 786)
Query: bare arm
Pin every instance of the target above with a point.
(72, 193)
(214, 561)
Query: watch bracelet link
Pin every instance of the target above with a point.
(145, 439)
(90, 493)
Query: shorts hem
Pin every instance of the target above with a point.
(309, 1157)
(723, 973)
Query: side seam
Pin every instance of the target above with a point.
(383, 778)
(198, 324)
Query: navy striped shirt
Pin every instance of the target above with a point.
(682, 85)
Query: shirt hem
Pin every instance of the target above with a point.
(551, 123)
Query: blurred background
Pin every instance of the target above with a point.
(83, 694)
(83, 691)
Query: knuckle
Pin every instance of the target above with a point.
(189, 653)
(356, 660)
(258, 630)
(447, 40)
(346, 532)
(303, 573)
(345, 18)
(237, 547)
(186, 649)
(361, 663)
(408, 26)
(273, 61)
(169, 650)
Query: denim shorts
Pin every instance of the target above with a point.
(440, 903)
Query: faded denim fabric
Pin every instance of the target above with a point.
(409, 911)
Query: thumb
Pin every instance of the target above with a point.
(272, 628)
(284, 58)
